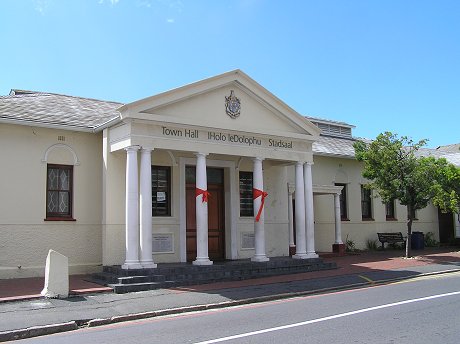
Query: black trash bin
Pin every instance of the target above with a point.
(417, 241)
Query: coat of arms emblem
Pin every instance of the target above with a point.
(232, 105)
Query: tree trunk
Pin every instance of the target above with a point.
(409, 231)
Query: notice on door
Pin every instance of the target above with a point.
(161, 196)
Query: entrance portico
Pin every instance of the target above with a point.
(196, 126)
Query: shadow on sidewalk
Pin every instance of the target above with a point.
(359, 268)
(352, 269)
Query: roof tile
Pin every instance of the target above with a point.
(56, 109)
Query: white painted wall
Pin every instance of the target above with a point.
(25, 238)
(327, 171)
(98, 234)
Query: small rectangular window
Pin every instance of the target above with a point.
(246, 201)
(343, 202)
(366, 203)
(59, 185)
(390, 210)
(161, 191)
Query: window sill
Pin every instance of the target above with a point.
(344, 219)
(391, 219)
(367, 219)
(59, 219)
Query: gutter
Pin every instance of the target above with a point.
(62, 126)
(45, 125)
(107, 124)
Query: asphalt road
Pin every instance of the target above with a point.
(424, 310)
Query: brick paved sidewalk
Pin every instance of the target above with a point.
(27, 288)
(356, 263)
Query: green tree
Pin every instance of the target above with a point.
(395, 172)
(447, 189)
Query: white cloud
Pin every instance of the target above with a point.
(170, 20)
(176, 5)
(144, 3)
(173, 5)
(112, 2)
(41, 6)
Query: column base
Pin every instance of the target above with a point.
(300, 256)
(202, 261)
(339, 248)
(260, 258)
(148, 265)
(312, 255)
(131, 265)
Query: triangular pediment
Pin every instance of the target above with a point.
(204, 104)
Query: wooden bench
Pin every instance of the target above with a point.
(390, 238)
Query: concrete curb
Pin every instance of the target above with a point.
(70, 326)
(198, 308)
(36, 331)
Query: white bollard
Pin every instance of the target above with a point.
(56, 276)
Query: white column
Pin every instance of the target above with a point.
(202, 257)
(145, 201)
(309, 213)
(259, 228)
(132, 210)
(291, 215)
(338, 220)
(300, 251)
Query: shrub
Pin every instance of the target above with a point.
(430, 240)
(350, 245)
(371, 244)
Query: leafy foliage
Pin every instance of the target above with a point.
(371, 245)
(395, 172)
(447, 190)
(350, 245)
(429, 239)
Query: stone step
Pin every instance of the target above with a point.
(141, 279)
(190, 269)
(182, 274)
(128, 288)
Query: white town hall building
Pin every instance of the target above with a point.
(220, 169)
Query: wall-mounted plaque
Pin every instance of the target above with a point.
(247, 240)
(163, 243)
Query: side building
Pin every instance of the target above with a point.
(220, 169)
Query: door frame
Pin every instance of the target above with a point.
(446, 220)
(231, 200)
(217, 198)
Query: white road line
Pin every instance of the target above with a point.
(331, 317)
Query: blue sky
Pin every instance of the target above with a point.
(382, 65)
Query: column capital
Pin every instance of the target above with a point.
(197, 154)
(309, 163)
(258, 158)
(146, 149)
(291, 188)
(132, 148)
(300, 162)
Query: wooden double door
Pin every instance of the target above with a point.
(216, 214)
